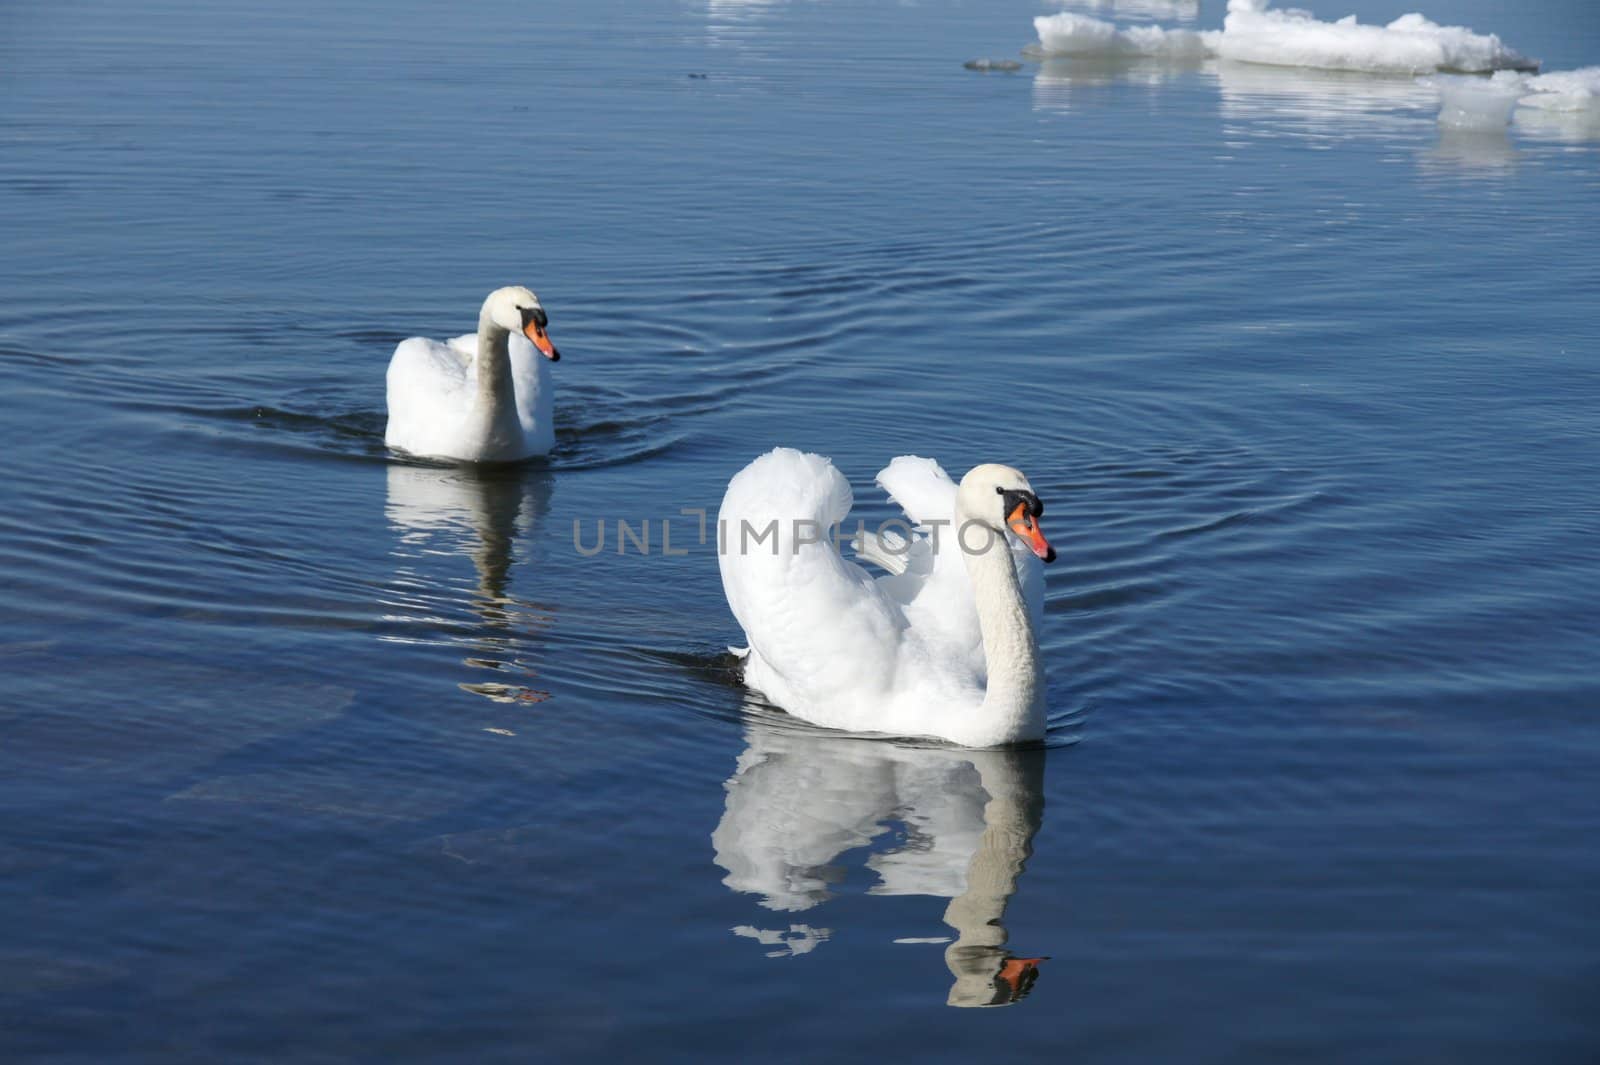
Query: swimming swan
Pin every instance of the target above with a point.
(483, 398)
(943, 645)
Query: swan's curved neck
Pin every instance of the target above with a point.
(1014, 700)
(492, 425)
(494, 360)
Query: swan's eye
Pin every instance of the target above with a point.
(1014, 498)
(534, 316)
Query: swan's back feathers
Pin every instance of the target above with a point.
(428, 388)
(422, 363)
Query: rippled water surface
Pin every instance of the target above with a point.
(312, 754)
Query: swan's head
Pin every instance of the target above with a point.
(517, 310)
(1001, 498)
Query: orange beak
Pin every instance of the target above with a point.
(1026, 526)
(541, 340)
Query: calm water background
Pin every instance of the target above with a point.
(309, 754)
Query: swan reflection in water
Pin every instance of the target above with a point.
(943, 822)
(478, 512)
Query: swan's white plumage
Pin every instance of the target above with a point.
(901, 654)
(435, 401)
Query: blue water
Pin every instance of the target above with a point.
(310, 754)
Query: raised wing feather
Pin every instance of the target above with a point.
(921, 488)
(820, 629)
(931, 581)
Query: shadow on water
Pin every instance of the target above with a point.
(931, 821)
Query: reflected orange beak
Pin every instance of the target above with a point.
(1026, 526)
(541, 340)
(1017, 976)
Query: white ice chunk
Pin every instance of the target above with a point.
(1411, 44)
(1477, 103)
(1253, 33)
(1564, 104)
(1069, 34)
(1564, 90)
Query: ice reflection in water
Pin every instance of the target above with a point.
(1486, 153)
(1571, 126)
(1176, 10)
(937, 821)
(1285, 101)
(1060, 82)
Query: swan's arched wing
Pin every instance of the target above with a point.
(927, 496)
(921, 488)
(929, 577)
(820, 629)
(933, 587)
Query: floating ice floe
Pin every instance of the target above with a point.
(1489, 103)
(1564, 104)
(1253, 33)
(1411, 44)
(1467, 102)
(1564, 90)
(1068, 34)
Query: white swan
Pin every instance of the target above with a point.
(941, 646)
(483, 398)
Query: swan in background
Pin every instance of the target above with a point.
(483, 398)
(942, 645)
(799, 800)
